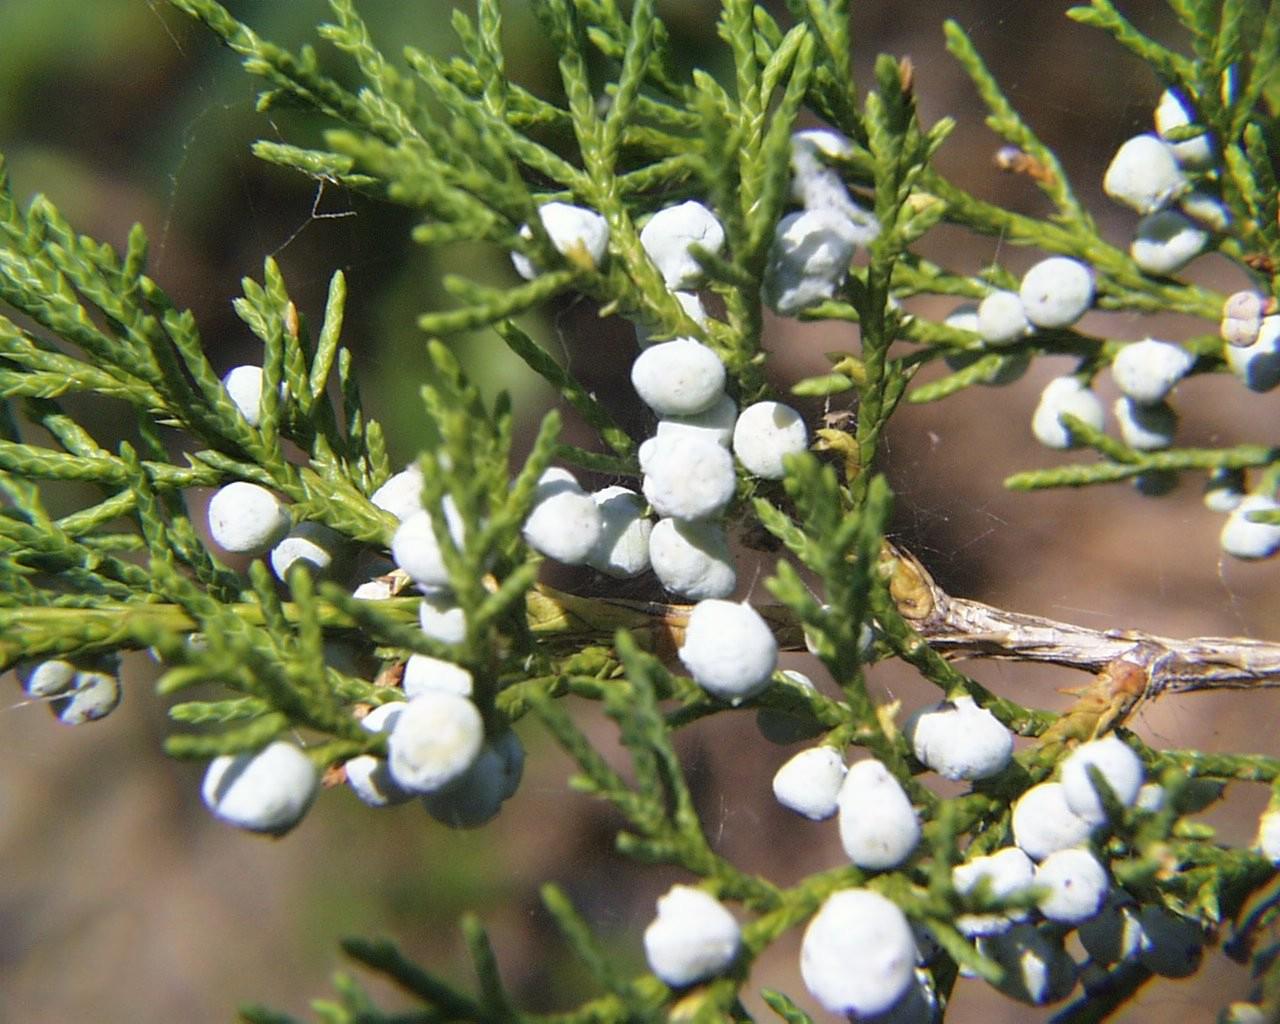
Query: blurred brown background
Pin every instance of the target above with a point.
(121, 899)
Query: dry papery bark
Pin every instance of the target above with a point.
(1142, 665)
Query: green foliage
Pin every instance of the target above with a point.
(473, 156)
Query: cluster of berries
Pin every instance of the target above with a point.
(1150, 173)
(76, 691)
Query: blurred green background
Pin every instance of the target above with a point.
(121, 899)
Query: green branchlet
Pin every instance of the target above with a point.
(466, 150)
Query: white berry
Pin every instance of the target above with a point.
(689, 478)
(1144, 174)
(1008, 872)
(809, 782)
(1174, 111)
(46, 678)
(622, 549)
(313, 546)
(369, 777)
(692, 559)
(678, 378)
(858, 954)
(670, 233)
(243, 385)
(809, 259)
(765, 434)
(1258, 364)
(579, 233)
(1002, 319)
(246, 519)
(713, 424)
(1147, 370)
(1165, 242)
(1244, 538)
(401, 495)
(267, 791)
(1242, 315)
(94, 694)
(416, 550)
(1056, 292)
(1064, 395)
(1043, 822)
(1207, 209)
(728, 649)
(441, 619)
(434, 740)
(1145, 427)
(878, 826)
(959, 740)
(818, 186)
(423, 672)
(1224, 490)
(1075, 885)
(370, 780)
(564, 522)
(693, 937)
(1119, 765)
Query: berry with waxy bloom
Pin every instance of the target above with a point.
(1120, 767)
(1144, 175)
(858, 955)
(1165, 242)
(688, 478)
(1064, 395)
(693, 937)
(878, 826)
(809, 259)
(713, 424)
(622, 549)
(265, 791)
(809, 783)
(1175, 111)
(1145, 427)
(692, 559)
(1147, 370)
(1002, 318)
(246, 519)
(1043, 822)
(416, 550)
(669, 235)
(433, 741)
(564, 522)
(1257, 364)
(423, 672)
(959, 740)
(1075, 885)
(765, 434)
(678, 378)
(1056, 292)
(728, 649)
(1006, 873)
(580, 234)
(1244, 538)
(94, 694)
(243, 385)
